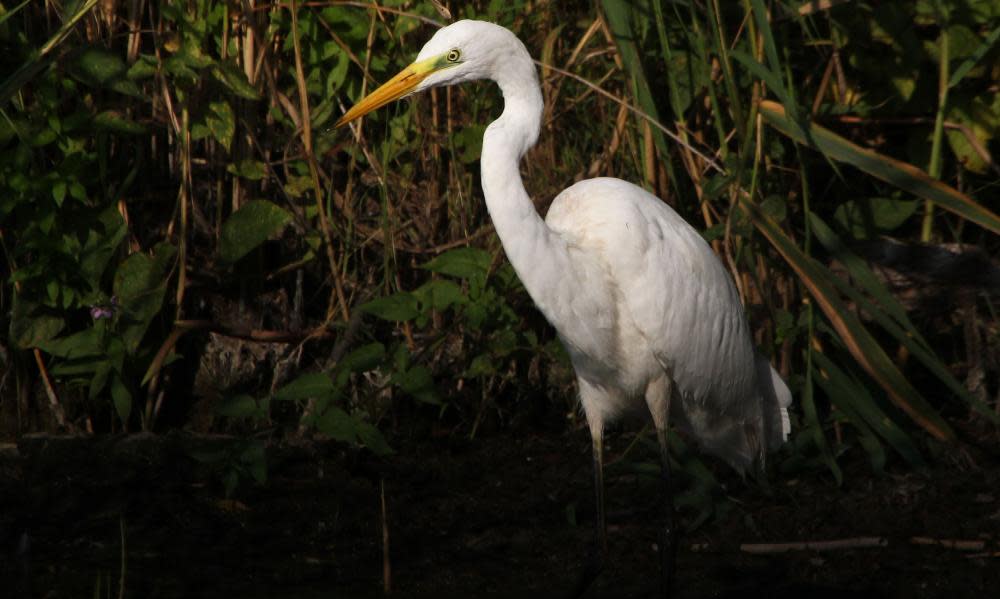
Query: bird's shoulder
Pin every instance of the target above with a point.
(611, 212)
(603, 194)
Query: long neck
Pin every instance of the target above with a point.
(532, 248)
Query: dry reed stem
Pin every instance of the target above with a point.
(314, 170)
(710, 163)
(384, 518)
(832, 545)
(957, 544)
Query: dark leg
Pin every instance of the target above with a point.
(668, 541)
(599, 551)
(658, 395)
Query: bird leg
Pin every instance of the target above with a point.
(658, 396)
(601, 525)
(599, 550)
(668, 542)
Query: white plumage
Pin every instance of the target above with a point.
(658, 303)
(649, 315)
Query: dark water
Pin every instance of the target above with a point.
(490, 518)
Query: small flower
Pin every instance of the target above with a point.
(104, 311)
(99, 312)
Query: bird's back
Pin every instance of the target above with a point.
(678, 305)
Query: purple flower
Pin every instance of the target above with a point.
(99, 311)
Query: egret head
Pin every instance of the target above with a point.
(462, 51)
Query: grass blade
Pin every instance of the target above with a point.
(41, 57)
(905, 176)
(967, 64)
(619, 14)
(856, 337)
(853, 398)
(888, 313)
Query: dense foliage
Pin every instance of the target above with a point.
(189, 243)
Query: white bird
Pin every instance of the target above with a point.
(648, 314)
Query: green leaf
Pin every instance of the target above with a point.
(143, 68)
(141, 284)
(112, 120)
(363, 359)
(865, 218)
(481, 365)
(980, 117)
(464, 263)
(398, 307)
(440, 294)
(307, 386)
(254, 459)
(249, 227)
(100, 379)
(103, 242)
(83, 344)
(59, 192)
(41, 58)
(222, 123)
(254, 170)
(338, 425)
(239, 406)
(31, 325)
(967, 64)
(469, 142)
(372, 438)
(235, 80)
(774, 206)
(122, 399)
(418, 383)
(100, 67)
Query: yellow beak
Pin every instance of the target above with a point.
(401, 85)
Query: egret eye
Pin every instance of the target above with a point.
(454, 55)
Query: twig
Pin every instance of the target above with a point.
(50, 392)
(834, 545)
(386, 563)
(259, 335)
(638, 112)
(959, 544)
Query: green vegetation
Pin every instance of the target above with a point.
(187, 242)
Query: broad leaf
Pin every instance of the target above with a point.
(249, 227)
(398, 307)
(307, 386)
(463, 263)
(140, 284)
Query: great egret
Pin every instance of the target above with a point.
(648, 314)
